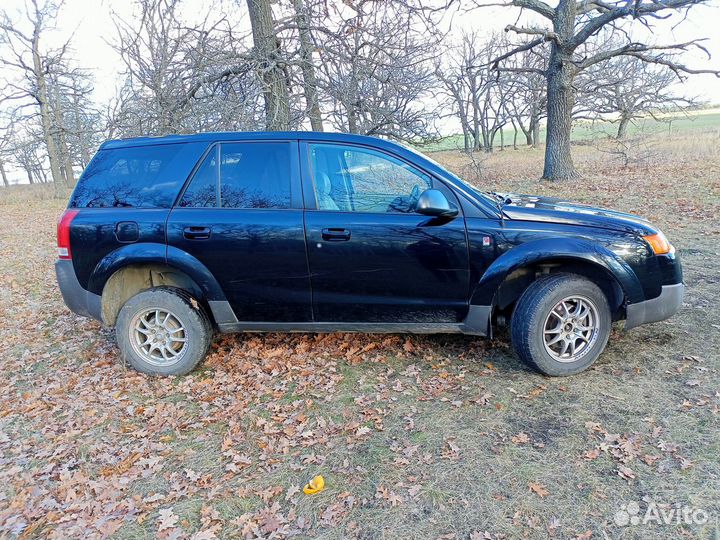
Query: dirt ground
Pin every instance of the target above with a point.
(435, 437)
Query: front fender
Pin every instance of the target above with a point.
(147, 253)
(566, 249)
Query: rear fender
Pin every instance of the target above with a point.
(147, 253)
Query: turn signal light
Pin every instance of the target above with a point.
(658, 243)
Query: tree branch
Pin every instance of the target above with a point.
(538, 6)
(678, 69)
(526, 47)
(637, 9)
(546, 34)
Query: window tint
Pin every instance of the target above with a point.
(354, 179)
(255, 175)
(252, 175)
(202, 190)
(142, 176)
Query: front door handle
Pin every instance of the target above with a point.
(196, 233)
(335, 235)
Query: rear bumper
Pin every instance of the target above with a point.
(657, 309)
(79, 300)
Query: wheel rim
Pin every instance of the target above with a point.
(571, 329)
(158, 336)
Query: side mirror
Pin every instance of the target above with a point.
(432, 202)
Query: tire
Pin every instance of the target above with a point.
(541, 337)
(163, 317)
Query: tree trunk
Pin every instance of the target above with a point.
(82, 135)
(46, 121)
(558, 158)
(622, 128)
(352, 118)
(560, 99)
(310, 87)
(267, 49)
(65, 156)
(536, 134)
(6, 183)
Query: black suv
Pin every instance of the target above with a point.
(170, 238)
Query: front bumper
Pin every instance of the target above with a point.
(657, 309)
(79, 300)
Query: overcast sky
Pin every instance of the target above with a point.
(92, 25)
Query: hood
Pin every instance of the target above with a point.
(553, 210)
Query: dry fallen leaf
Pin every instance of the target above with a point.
(538, 489)
(167, 519)
(625, 473)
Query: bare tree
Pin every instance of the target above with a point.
(309, 83)
(375, 69)
(5, 140)
(529, 97)
(628, 88)
(271, 65)
(23, 53)
(568, 29)
(183, 76)
(480, 97)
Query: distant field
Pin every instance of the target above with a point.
(706, 121)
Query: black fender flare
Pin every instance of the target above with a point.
(150, 252)
(579, 250)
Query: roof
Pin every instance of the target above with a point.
(248, 136)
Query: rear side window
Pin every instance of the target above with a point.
(202, 191)
(251, 175)
(140, 176)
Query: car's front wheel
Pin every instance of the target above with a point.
(561, 324)
(163, 331)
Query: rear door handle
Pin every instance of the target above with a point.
(335, 235)
(196, 233)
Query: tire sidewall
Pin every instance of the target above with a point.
(197, 330)
(571, 286)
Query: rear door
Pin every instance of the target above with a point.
(372, 257)
(241, 216)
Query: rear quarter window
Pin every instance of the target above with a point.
(139, 176)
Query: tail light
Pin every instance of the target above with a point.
(63, 234)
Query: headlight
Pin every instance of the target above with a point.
(658, 243)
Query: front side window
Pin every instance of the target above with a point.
(250, 175)
(354, 179)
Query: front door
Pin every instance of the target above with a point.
(241, 216)
(372, 257)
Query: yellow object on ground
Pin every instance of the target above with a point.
(316, 485)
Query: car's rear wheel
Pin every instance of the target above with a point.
(561, 324)
(163, 331)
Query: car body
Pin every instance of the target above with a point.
(308, 231)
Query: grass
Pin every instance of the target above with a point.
(703, 124)
(459, 428)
